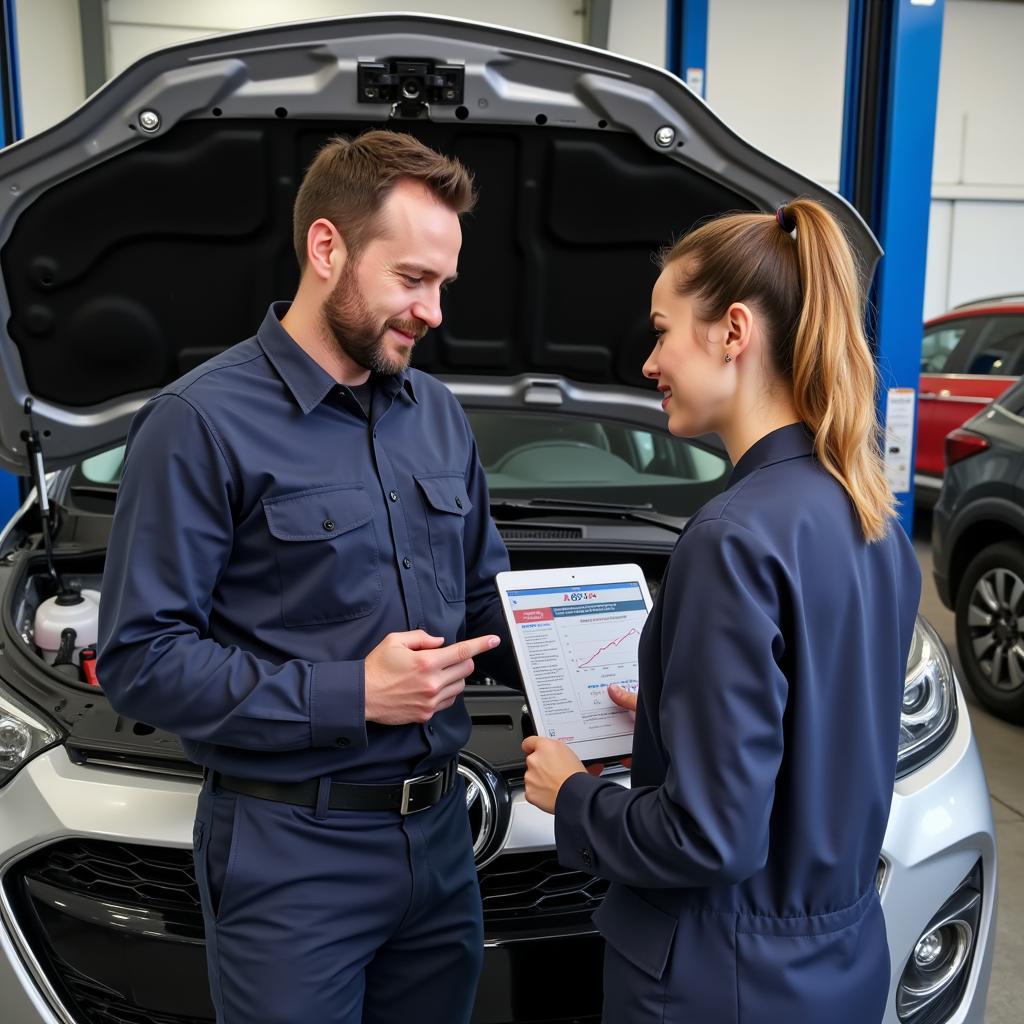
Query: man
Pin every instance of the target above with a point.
(301, 540)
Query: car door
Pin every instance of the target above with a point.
(942, 349)
(985, 363)
(993, 360)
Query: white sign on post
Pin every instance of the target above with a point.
(899, 437)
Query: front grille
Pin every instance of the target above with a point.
(70, 899)
(532, 890)
(148, 876)
(99, 1004)
(109, 975)
(517, 888)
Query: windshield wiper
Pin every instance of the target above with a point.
(638, 513)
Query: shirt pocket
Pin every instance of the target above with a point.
(327, 554)
(446, 505)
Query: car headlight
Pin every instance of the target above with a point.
(929, 714)
(23, 734)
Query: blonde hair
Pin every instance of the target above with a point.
(807, 289)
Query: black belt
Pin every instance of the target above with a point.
(407, 797)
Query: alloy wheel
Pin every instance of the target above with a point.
(995, 621)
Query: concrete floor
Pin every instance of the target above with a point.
(1002, 752)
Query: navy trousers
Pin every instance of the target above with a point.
(344, 917)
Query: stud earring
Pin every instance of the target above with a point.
(728, 358)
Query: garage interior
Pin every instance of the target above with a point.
(909, 110)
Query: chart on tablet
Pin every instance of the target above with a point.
(616, 652)
(580, 640)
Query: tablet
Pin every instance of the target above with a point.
(575, 631)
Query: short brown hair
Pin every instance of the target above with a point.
(349, 180)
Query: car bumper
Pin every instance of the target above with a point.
(128, 966)
(939, 828)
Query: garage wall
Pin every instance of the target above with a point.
(138, 26)
(978, 176)
(50, 60)
(776, 74)
(979, 138)
(637, 28)
(985, 252)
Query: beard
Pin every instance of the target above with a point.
(359, 334)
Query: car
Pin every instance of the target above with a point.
(149, 231)
(978, 548)
(969, 356)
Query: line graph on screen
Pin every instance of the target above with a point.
(596, 652)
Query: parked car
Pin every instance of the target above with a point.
(978, 551)
(149, 231)
(969, 356)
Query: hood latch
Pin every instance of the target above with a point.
(411, 86)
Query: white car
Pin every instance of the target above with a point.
(149, 231)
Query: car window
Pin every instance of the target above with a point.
(999, 348)
(104, 468)
(532, 455)
(554, 455)
(938, 344)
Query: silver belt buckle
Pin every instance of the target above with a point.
(407, 791)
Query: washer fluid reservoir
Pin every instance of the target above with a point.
(80, 612)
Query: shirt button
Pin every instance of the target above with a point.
(407, 562)
(430, 729)
(458, 503)
(328, 525)
(342, 741)
(587, 858)
(393, 495)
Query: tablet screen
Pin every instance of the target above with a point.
(573, 642)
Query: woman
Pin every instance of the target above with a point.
(743, 859)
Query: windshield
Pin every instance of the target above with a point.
(555, 455)
(563, 457)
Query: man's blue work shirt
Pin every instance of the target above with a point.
(267, 537)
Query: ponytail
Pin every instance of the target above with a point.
(808, 293)
(834, 382)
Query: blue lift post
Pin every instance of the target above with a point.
(687, 43)
(892, 83)
(10, 131)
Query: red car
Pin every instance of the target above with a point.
(969, 356)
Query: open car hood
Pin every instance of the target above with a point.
(151, 229)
